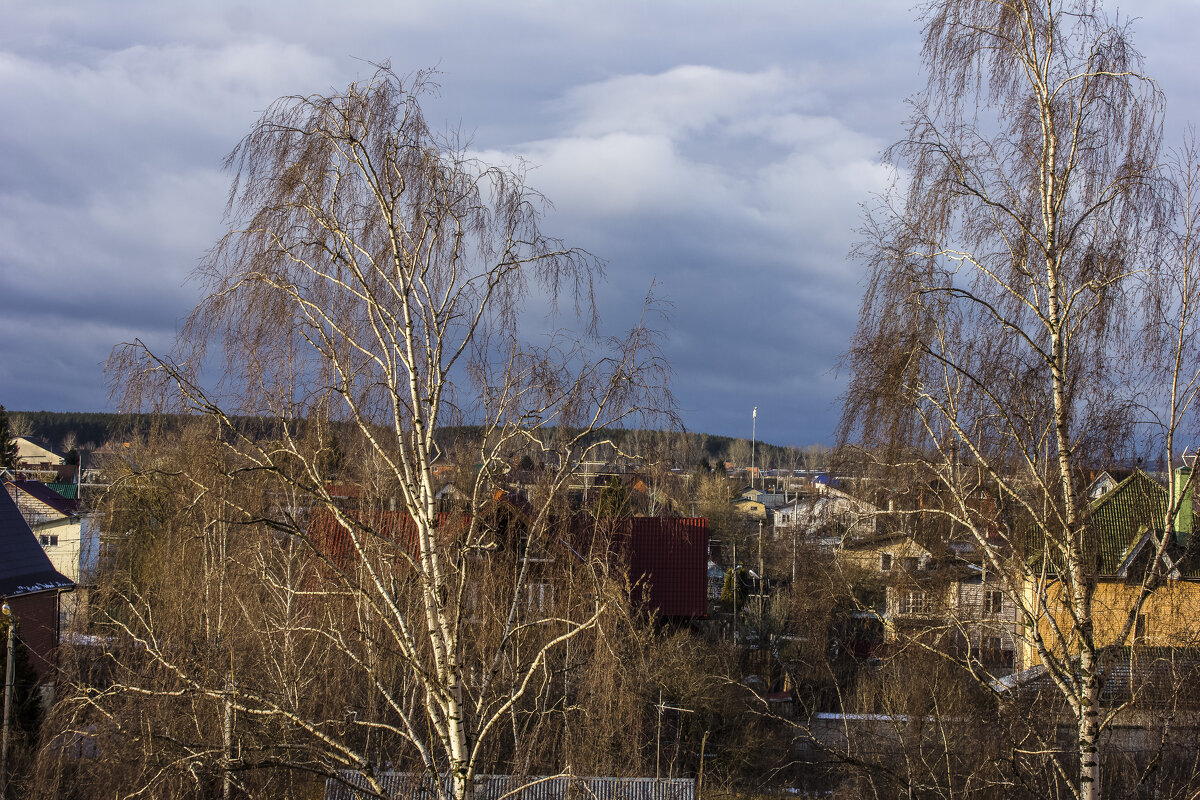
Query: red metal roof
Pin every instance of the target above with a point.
(668, 561)
(666, 557)
(331, 538)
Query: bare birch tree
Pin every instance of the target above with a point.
(370, 290)
(1000, 308)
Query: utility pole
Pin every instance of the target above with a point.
(9, 675)
(658, 737)
(762, 574)
(794, 555)
(736, 584)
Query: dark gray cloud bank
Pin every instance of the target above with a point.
(719, 150)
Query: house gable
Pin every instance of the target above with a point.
(24, 566)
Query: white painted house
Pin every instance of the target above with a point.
(828, 517)
(71, 544)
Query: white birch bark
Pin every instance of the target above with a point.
(372, 278)
(1000, 276)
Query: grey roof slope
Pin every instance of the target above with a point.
(24, 566)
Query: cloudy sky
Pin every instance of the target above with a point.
(718, 149)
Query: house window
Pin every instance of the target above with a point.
(995, 654)
(539, 597)
(49, 539)
(1141, 629)
(912, 601)
(911, 564)
(885, 562)
(993, 602)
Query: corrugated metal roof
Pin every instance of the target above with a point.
(669, 559)
(418, 786)
(332, 539)
(1118, 518)
(24, 566)
(44, 494)
(67, 490)
(666, 558)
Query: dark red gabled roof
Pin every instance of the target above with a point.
(666, 559)
(668, 562)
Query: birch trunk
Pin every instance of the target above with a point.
(989, 358)
(368, 295)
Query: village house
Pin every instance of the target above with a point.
(69, 539)
(1124, 527)
(826, 516)
(662, 560)
(32, 455)
(31, 586)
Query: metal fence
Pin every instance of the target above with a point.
(350, 785)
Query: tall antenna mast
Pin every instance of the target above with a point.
(753, 425)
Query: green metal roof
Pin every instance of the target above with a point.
(1119, 518)
(1116, 522)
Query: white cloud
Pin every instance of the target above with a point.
(715, 149)
(683, 100)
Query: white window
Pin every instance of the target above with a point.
(885, 562)
(49, 539)
(912, 601)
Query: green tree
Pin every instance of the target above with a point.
(8, 445)
(614, 499)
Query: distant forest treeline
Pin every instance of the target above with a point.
(90, 430)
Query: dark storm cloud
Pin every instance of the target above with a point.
(718, 150)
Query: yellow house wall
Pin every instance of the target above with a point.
(1172, 615)
(751, 508)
